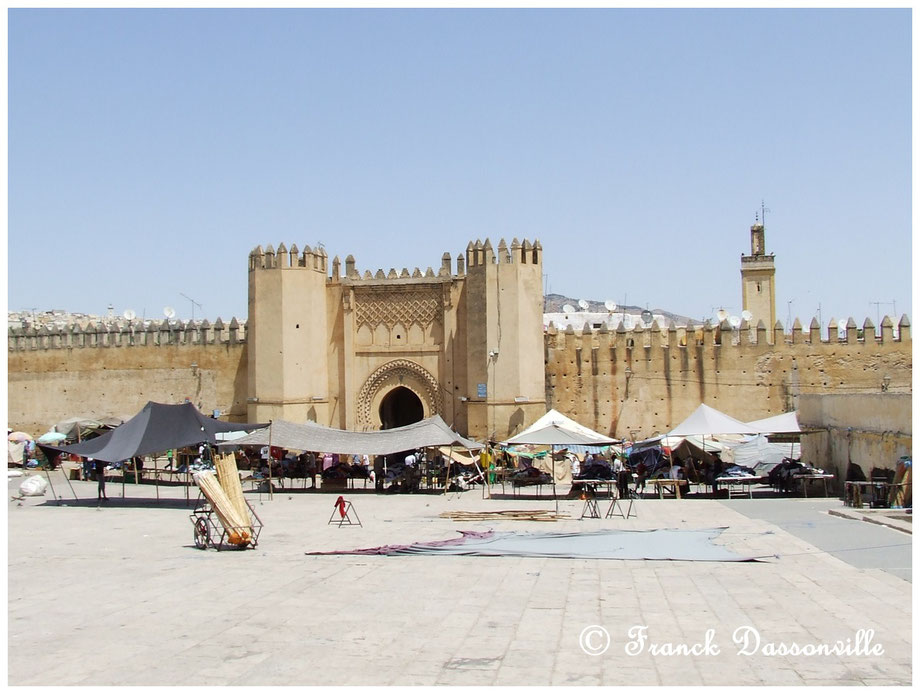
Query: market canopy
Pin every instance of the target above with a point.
(555, 429)
(155, 429)
(787, 423)
(80, 427)
(708, 421)
(311, 436)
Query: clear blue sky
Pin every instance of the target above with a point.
(151, 150)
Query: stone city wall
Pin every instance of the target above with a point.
(629, 384)
(635, 384)
(99, 372)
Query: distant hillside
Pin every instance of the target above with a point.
(553, 303)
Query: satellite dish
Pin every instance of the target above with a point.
(747, 315)
(129, 314)
(610, 305)
(169, 312)
(842, 324)
(647, 317)
(568, 308)
(722, 314)
(584, 304)
(734, 321)
(628, 322)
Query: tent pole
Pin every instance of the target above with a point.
(555, 496)
(67, 478)
(51, 484)
(450, 459)
(271, 494)
(485, 480)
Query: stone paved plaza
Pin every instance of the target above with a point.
(120, 596)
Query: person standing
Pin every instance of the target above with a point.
(99, 468)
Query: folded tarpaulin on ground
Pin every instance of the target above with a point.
(660, 544)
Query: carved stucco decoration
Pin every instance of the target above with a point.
(399, 372)
(422, 306)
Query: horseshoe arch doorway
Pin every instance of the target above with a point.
(400, 407)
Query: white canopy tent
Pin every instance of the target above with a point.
(555, 429)
(708, 421)
(787, 423)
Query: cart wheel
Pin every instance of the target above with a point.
(202, 533)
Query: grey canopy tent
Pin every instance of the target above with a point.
(433, 432)
(311, 436)
(156, 428)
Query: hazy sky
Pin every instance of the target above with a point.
(151, 150)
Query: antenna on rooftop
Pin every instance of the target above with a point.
(734, 321)
(194, 304)
(129, 314)
(610, 305)
(583, 304)
(169, 312)
(646, 318)
(568, 308)
(747, 315)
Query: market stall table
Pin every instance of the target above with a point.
(661, 482)
(731, 482)
(805, 479)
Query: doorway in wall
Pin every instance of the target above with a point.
(400, 407)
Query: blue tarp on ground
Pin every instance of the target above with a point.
(658, 544)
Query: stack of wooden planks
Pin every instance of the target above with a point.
(225, 494)
(900, 492)
(529, 515)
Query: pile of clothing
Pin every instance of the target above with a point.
(597, 469)
(782, 477)
(738, 471)
(342, 471)
(530, 476)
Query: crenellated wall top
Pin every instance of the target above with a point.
(667, 332)
(524, 252)
(123, 334)
(478, 253)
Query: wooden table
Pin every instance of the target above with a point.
(662, 482)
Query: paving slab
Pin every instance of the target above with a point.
(119, 595)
